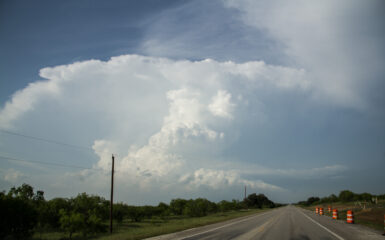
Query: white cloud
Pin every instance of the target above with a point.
(167, 118)
(126, 79)
(159, 116)
(221, 105)
(25, 100)
(321, 37)
(186, 119)
(12, 175)
(338, 44)
(222, 179)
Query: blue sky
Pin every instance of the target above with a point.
(196, 98)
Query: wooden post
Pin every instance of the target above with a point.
(112, 192)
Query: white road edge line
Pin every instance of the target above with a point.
(210, 230)
(337, 236)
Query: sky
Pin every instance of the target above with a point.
(193, 98)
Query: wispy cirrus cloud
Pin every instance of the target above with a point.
(313, 173)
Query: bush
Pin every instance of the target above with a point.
(94, 224)
(163, 210)
(18, 213)
(258, 201)
(71, 222)
(135, 213)
(177, 206)
(346, 196)
(84, 203)
(52, 211)
(119, 212)
(199, 207)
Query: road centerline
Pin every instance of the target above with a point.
(251, 234)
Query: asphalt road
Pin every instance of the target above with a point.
(283, 223)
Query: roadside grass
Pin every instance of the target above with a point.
(155, 227)
(56, 235)
(152, 227)
(372, 216)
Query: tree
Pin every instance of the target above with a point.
(225, 206)
(94, 223)
(52, 211)
(312, 200)
(364, 197)
(92, 210)
(258, 201)
(24, 192)
(18, 212)
(135, 213)
(119, 211)
(71, 222)
(346, 196)
(83, 203)
(163, 210)
(197, 208)
(333, 198)
(177, 206)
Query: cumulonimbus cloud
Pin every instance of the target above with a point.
(322, 38)
(153, 109)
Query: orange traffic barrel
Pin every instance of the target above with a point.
(349, 216)
(329, 209)
(321, 211)
(316, 210)
(335, 214)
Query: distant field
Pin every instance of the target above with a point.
(154, 227)
(372, 215)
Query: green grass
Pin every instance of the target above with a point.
(52, 235)
(156, 227)
(153, 227)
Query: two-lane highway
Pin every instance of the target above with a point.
(283, 223)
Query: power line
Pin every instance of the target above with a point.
(46, 140)
(47, 163)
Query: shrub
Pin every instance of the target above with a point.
(18, 212)
(177, 206)
(71, 222)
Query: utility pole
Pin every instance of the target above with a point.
(112, 191)
(245, 192)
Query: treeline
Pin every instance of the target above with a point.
(24, 212)
(343, 196)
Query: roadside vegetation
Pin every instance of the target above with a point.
(27, 215)
(368, 209)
